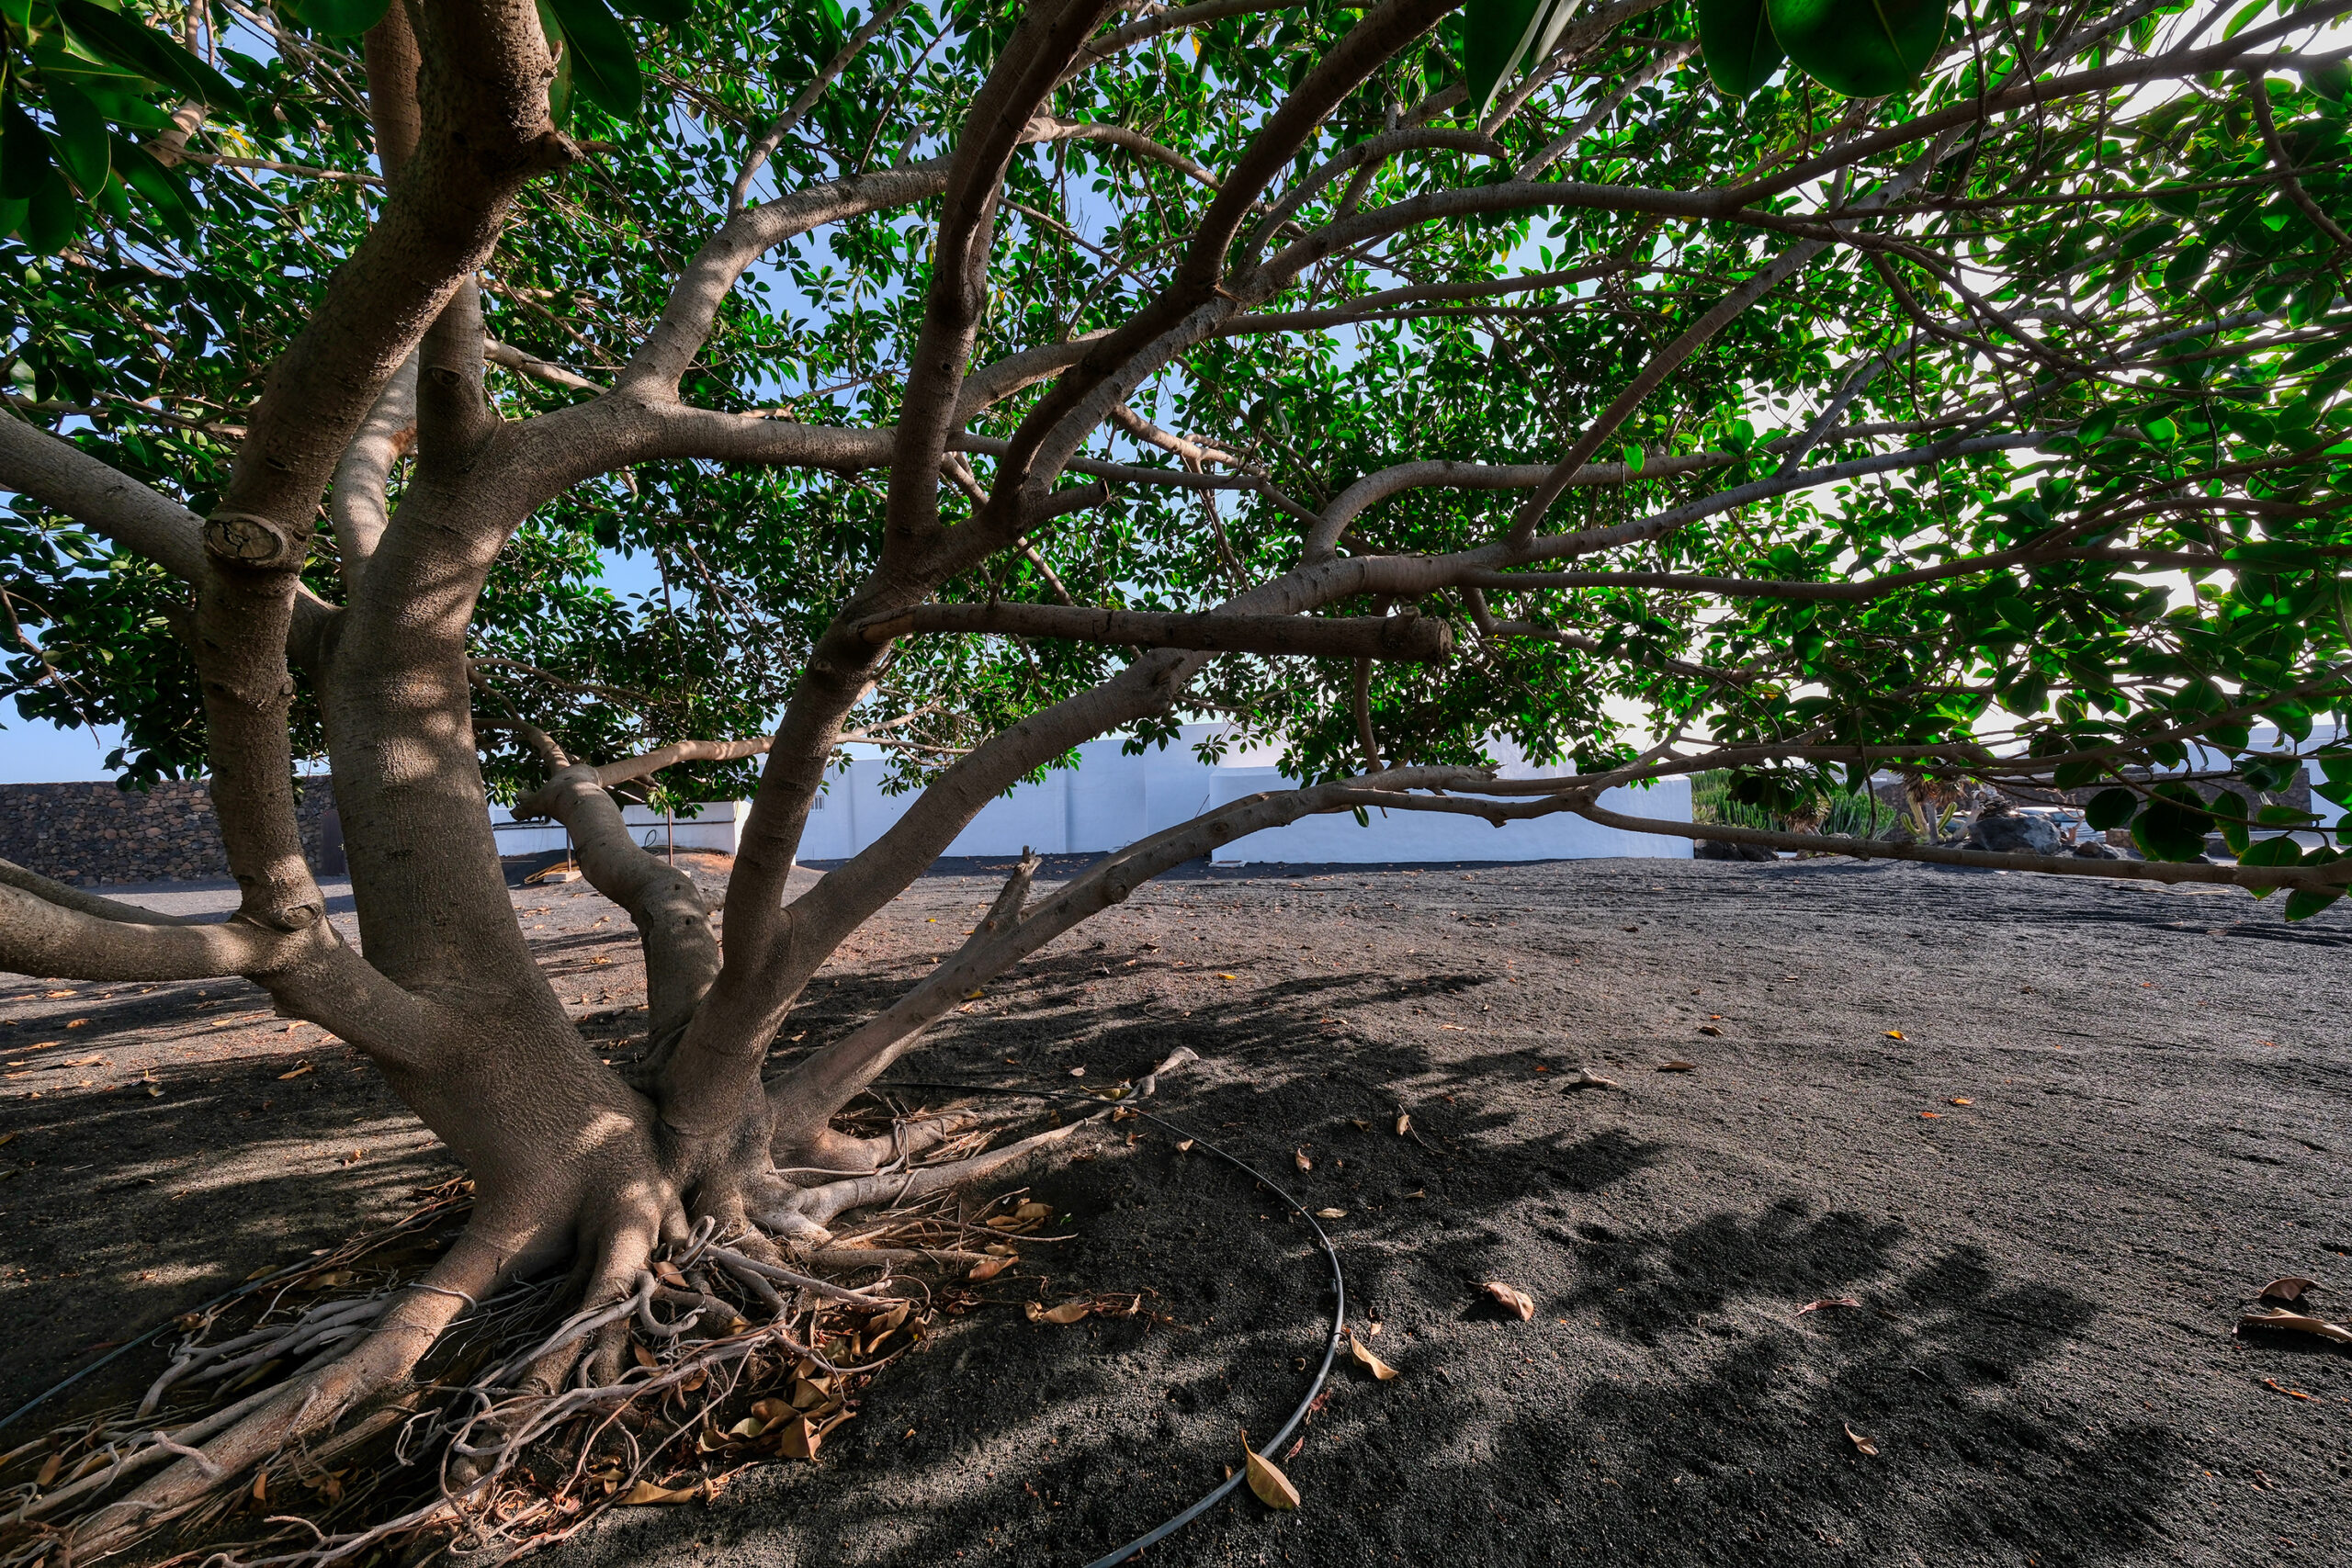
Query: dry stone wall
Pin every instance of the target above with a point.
(94, 835)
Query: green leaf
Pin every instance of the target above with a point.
(54, 217)
(2279, 851)
(2229, 814)
(1633, 455)
(23, 153)
(2173, 825)
(82, 138)
(2111, 808)
(119, 40)
(1738, 41)
(2302, 903)
(341, 18)
(1497, 35)
(2074, 775)
(2332, 81)
(603, 55)
(161, 188)
(2284, 817)
(1864, 48)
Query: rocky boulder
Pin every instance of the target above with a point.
(2009, 832)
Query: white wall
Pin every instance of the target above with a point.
(1111, 799)
(715, 826)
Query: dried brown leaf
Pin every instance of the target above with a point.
(645, 1358)
(2286, 1288)
(988, 1269)
(1298, 1157)
(801, 1439)
(1860, 1443)
(1511, 1299)
(667, 1272)
(2295, 1321)
(1708, 1029)
(1033, 1211)
(1183, 1146)
(296, 1072)
(1827, 1302)
(1961, 1099)
(49, 1469)
(1370, 1362)
(1272, 1487)
(1404, 1124)
(1677, 1065)
(809, 1392)
(1069, 1312)
(1585, 1077)
(1330, 1213)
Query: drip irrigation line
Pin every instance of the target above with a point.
(138, 1341)
(1339, 1296)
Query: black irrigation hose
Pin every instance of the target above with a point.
(138, 1341)
(1120, 1554)
(1339, 1295)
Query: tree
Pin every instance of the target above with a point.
(989, 378)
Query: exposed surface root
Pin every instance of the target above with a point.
(373, 1404)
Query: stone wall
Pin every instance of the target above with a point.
(94, 835)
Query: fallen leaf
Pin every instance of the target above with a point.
(1511, 1299)
(1404, 1124)
(1891, 1035)
(2298, 1323)
(988, 1269)
(749, 1426)
(1587, 1079)
(808, 1393)
(1678, 1066)
(1929, 1115)
(7, 1137)
(1298, 1157)
(2286, 1288)
(1708, 1029)
(1183, 1146)
(52, 996)
(1078, 1072)
(49, 1469)
(1297, 1446)
(1330, 1213)
(1827, 1302)
(1959, 1099)
(1861, 1442)
(667, 1272)
(1372, 1363)
(1068, 1313)
(1272, 1487)
(1225, 976)
(975, 994)
(801, 1439)
(295, 1074)
(2290, 1393)
(1033, 1211)
(645, 1358)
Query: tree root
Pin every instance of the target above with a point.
(326, 1426)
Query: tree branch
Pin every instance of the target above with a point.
(1420, 639)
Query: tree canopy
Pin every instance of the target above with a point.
(2043, 430)
(1805, 388)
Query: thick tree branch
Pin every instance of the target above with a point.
(1420, 639)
